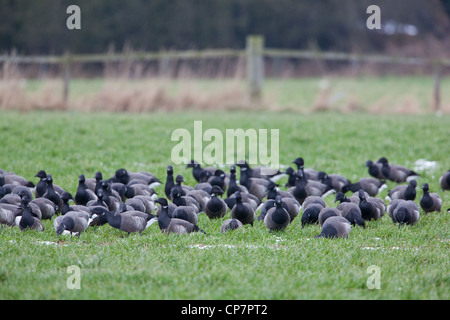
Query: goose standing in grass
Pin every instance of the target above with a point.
(396, 173)
(335, 227)
(326, 213)
(51, 194)
(83, 194)
(95, 183)
(216, 208)
(430, 202)
(230, 224)
(197, 170)
(41, 186)
(14, 179)
(242, 211)
(170, 182)
(265, 173)
(47, 207)
(405, 192)
(8, 214)
(273, 191)
(125, 177)
(249, 198)
(233, 186)
(130, 221)
(333, 181)
(277, 218)
(28, 221)
(370, 185)
(180, 200)
(292, 177)
(72, 222)
(405, 212)
(375, 170)
(305, 188)
(255, 186)
(371, 208)
(173, 225)
(308, 173)
(311, 210)
(350, 210)
(444, 181)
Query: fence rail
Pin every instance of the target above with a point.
(254, 53)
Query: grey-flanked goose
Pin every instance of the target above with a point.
(230, 224)
(444, 181)
(242, 211)
(430, 202)
(405, 192)
(216, 208)
(28, 221)
(173, 225)
(277, 218)
(72, 222)
(335, 227)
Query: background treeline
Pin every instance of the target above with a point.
(39, 27)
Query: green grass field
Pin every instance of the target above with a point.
(249, 263)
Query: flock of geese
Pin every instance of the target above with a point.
(127, 201)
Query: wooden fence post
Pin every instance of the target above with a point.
(66, 65)
(436, 105)
(255, 66)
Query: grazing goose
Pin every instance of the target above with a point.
(230, 224)
(173, 225)
(277, 218)
(83, 194)
(311, 209)
(333, 181)
(350, 210)
(260, 172)
(340, 196)
(396, 173)
(72, 222)
(242, 210)
(326, 213)
(130, 221)
(444, 181)
(47, 207)
(233, 186)
(405, 212)
(335, 227)
(111, 200)
(51, 194)
(370, 185)
(405, 192)
(216, 208)
(65, 198)
(371, 208)
(375, 170)
(430, 202)
(28, 221)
